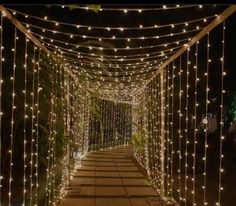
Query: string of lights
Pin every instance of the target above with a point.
(32, 143)
(195, 127)
(76, 46)
(12, 120)
(167, 133)
(115, 49)
(172, 127)
(25, 122)
(125, 10)
(38, 88)
(206, 117)
(108, 28)
(221, 170)
(108, 62)
(180, 128)
(186, 129)
(1, 113)
(158, 112)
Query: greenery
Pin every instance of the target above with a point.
(232, 107)
(138, 139)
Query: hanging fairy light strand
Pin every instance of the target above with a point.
(200, 23)
(221, 170)
(195, 127)
(207, 119)
(1, 113)
(186, 129)
(62, 49)
(108, 28)
(180, 128)
(12, 121)
(168, 142)
(172, 127)
(32, 143)
(115, 49)
(115, 56)
(139, 10)
(25, 122)
(37, 129)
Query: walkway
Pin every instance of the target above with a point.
(110, 178)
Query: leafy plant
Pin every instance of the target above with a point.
(138, 139)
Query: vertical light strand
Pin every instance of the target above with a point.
(149, 131)
(153, 128)
(48, 171)
(195, 128)
(54, 137)
(163, 127)
(37, 130)
(146, 132)
(156, 133)
(1, 81)
(168, 133)
(32, 129)
(159, 134)
(206, 117)
(180, 127)
(154, 125)
(102, 123)
(186, 129)
(64, 163)
(172, 127)
(25, 120)
(52, 171)
(220, 188)
(12, 122)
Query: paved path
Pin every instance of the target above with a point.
(110, 178)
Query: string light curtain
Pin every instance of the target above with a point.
(37, 122)
(50, 115)
(188, 152)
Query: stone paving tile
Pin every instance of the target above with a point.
(141, 191)
(135, 181)
(156, 201)
(87, 167)
(88, 163)
(83, 190)
(127, 169)
(108, 181)
(105, 164)
(107, 174)
(83, 181)
(101, 168)
(125, 164)
(77, 202)
(107, 156)
(122, 160)
(112, 202)
(109, 177)
(139, 202)
(131, 174)
(100, 159)
(110, 191)
(85, 173)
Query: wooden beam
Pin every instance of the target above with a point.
(22, 28)
(219, 19)
(30, 36)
